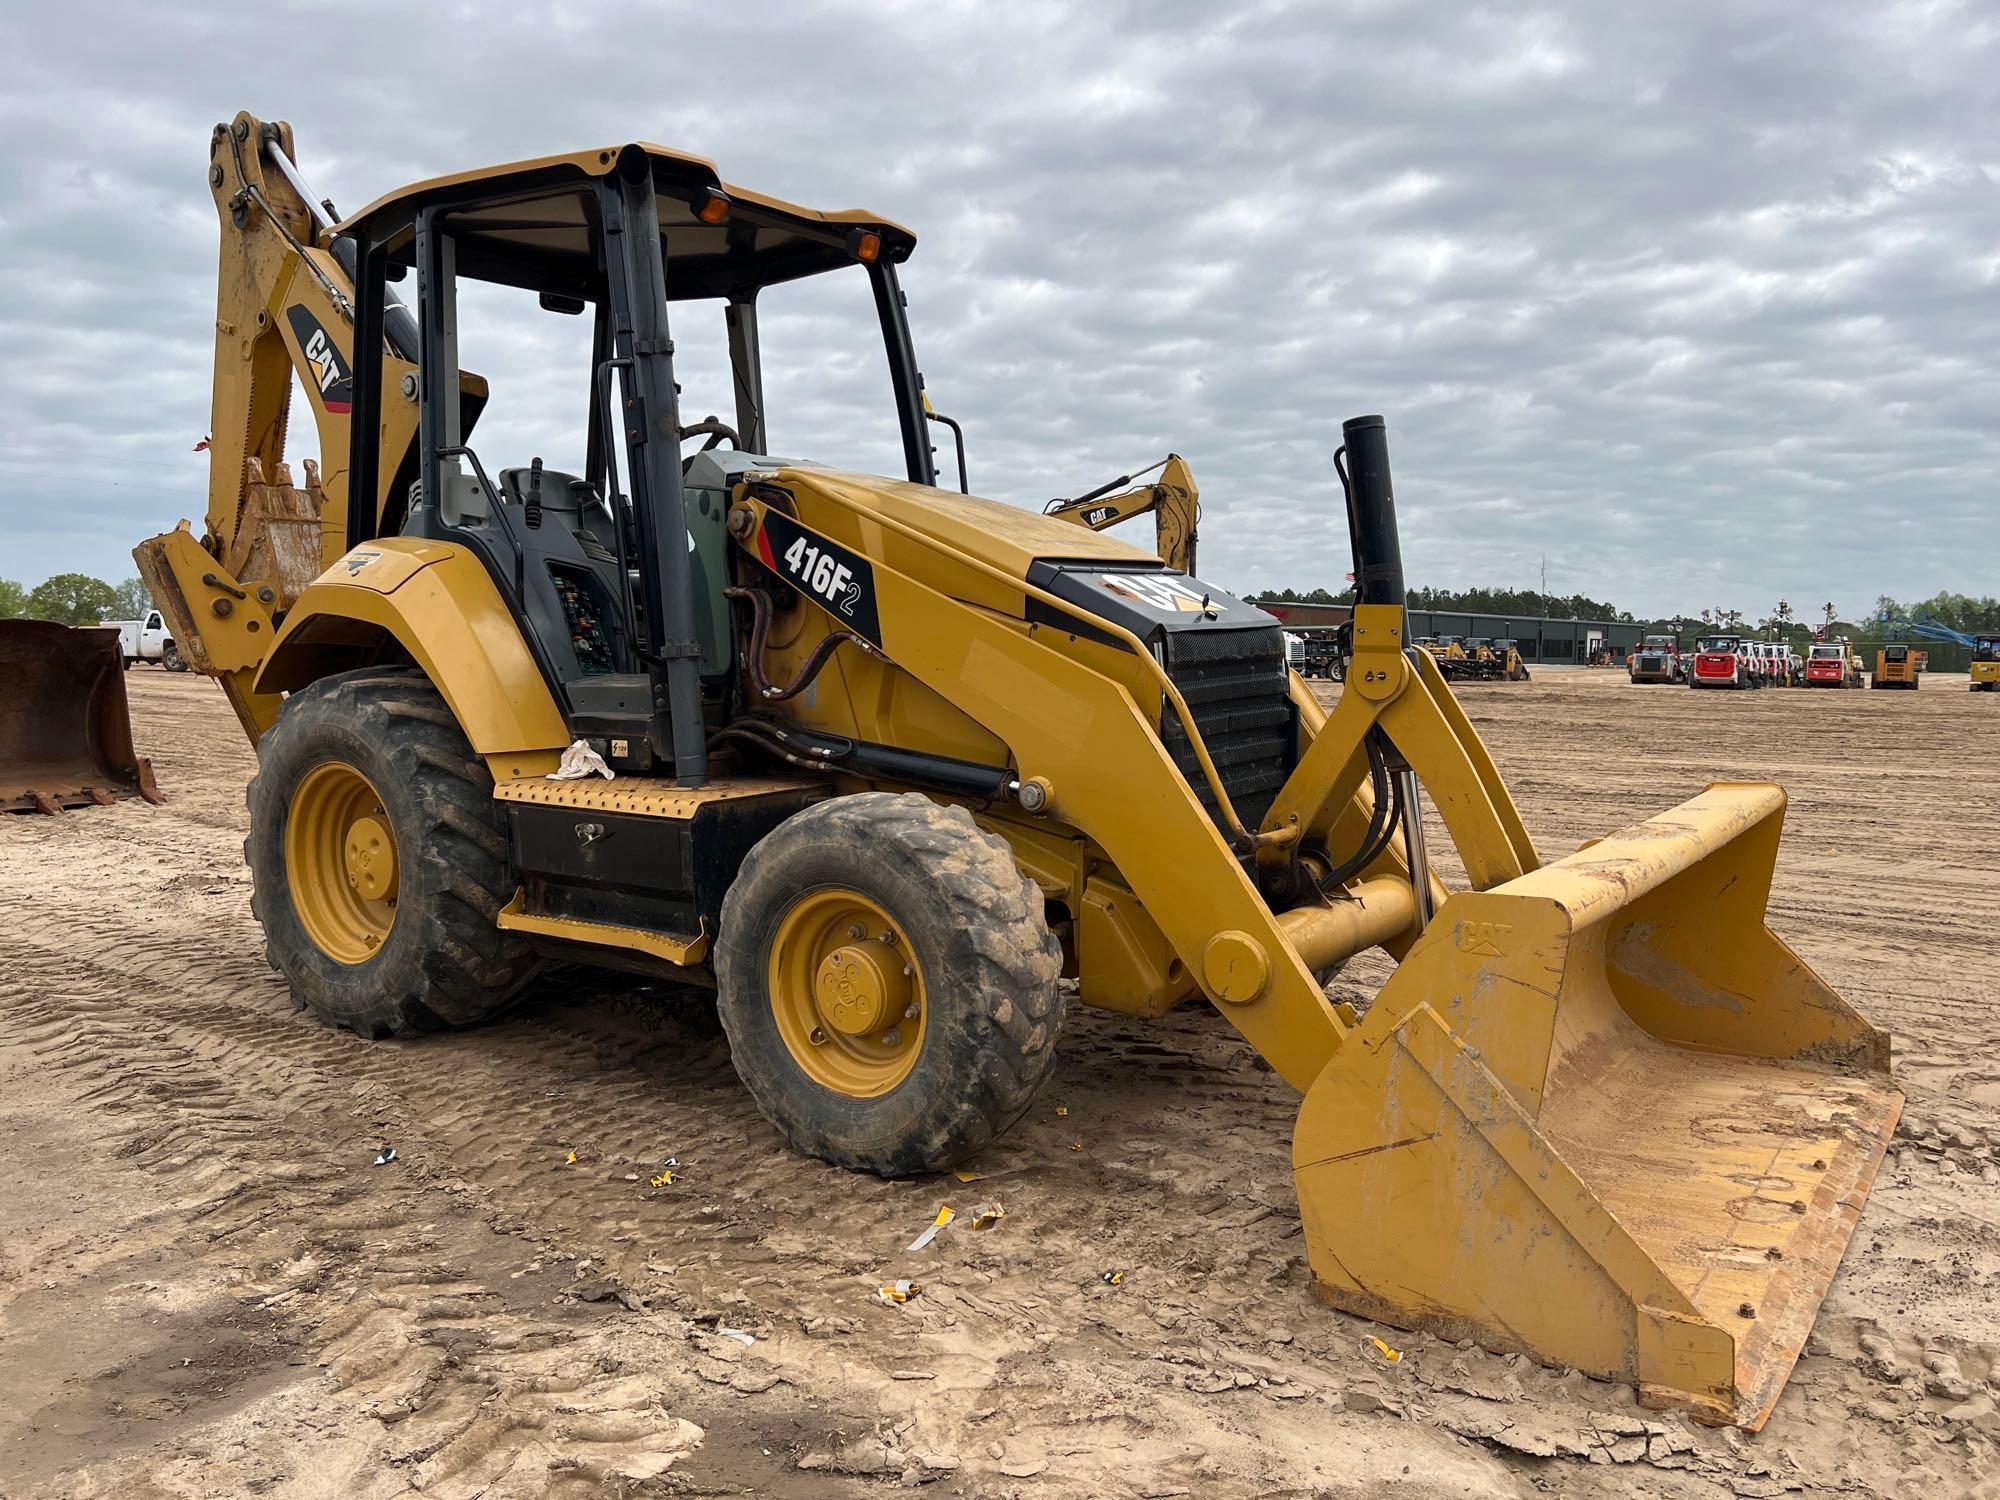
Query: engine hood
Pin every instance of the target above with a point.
(1006, 536)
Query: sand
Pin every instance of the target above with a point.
(207, 1289)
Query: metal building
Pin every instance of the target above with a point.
(1542, 640)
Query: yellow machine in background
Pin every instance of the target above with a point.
(1897, 667)
(1984, 673)
(1485, 660)
(1172, 499)
(886, 762)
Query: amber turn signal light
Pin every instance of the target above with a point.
(711, 207)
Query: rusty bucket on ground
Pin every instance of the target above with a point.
(1603, 1114)
(65, 730)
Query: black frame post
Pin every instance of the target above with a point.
(746, 367)
(891, 309)
(435, 389)
(635, 261)
(364, 432)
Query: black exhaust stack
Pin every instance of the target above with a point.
(1371, 512)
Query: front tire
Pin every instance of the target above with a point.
(170, 658)
(887, 981)
(379, 859)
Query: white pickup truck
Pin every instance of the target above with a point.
(148, 640)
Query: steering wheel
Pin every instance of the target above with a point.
(717, 430)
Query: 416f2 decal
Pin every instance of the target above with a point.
(840, 581)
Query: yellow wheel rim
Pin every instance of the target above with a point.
(847, 993)
(341, 863)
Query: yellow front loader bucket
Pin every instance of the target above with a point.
(65, 731)
(1603, 1115)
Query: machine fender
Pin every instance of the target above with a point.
(439, 604)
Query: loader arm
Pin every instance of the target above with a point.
(1554, 1131)
(1172, 499)
(284, 306)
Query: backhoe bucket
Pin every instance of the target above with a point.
(1602, 1115)
(65, 732)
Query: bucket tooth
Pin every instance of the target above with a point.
(1603, 1115)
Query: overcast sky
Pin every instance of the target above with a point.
(1697, 299)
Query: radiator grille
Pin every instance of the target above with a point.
(1235, 683)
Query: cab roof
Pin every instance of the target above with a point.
(531, 223)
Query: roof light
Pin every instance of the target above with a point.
(711, 206)
(864, 244)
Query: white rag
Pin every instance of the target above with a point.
(580, 761)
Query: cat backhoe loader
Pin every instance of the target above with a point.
(1172, 499)
(889, 761)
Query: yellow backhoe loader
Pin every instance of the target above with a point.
(1172, 499)
(888, 761)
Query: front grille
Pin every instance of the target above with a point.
(1236, 685)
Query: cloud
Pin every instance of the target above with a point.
(1698, 301)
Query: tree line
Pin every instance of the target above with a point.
(1963, 612)
(75, 599)
(1488, 601)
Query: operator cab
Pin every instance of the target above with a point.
(616, 575)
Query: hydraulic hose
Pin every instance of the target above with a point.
(1382, 821)
(760, 631)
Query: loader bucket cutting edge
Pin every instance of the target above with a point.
(65, 730)
(1602, 1115)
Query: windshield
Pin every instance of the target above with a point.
(1717, 643)
(1823, 652)
(828, 394)
(1988, 648)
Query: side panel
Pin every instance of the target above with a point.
(440, 605)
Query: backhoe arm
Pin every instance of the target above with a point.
(1173, 500)
(284, 306)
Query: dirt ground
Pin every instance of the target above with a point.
(207, 1289)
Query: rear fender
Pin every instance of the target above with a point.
(438, 604)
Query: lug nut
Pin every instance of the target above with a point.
(892, 1038)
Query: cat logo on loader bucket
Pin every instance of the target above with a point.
(65, 732)
(949, 752)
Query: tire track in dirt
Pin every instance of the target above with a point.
(133, 970)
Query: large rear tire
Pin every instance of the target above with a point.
(887, 981)
(379, 859)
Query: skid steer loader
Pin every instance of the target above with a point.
(888, 761)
